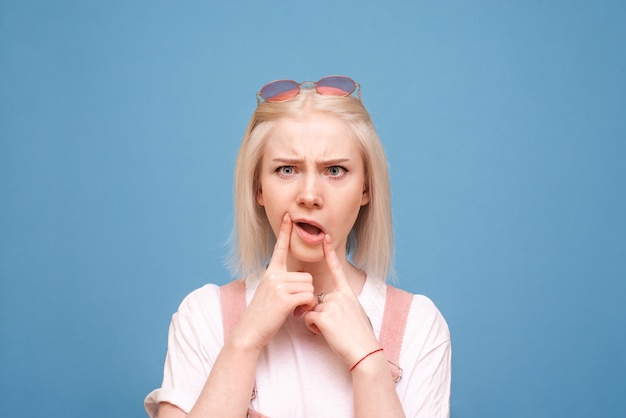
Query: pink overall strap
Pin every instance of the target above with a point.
(397, 306)
(233, 299)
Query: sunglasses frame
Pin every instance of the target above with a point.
(356, 86)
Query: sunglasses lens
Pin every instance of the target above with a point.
(336, 85)
(280, 91)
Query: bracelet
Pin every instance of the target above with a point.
(364, 357)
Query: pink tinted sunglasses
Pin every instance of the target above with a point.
(284, 90)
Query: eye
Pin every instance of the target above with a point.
(285, 170)
(336, 171)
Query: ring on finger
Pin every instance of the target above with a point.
(320, 298)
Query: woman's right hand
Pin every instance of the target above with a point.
(279, 293)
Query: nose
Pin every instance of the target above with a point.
(310, 195)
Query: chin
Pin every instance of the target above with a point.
(307, 254)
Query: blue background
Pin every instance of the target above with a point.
(505, 128)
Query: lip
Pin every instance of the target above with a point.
(306, 236)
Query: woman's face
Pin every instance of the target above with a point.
(312, 169)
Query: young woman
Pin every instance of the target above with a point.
(317, 332)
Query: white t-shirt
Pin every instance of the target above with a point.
(297, 373)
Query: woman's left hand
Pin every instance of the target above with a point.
(340, 318)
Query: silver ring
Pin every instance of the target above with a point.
(320, 297)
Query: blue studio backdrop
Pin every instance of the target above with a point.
(505, 128)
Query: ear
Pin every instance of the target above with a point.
(259, 197)
(365, 197)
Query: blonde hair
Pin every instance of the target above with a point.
(370, 242)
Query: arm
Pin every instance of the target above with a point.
(228, 388)
(346, 328)
(229, 385)
(374, 390)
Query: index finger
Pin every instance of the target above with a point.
(334, 265)
(281, 249)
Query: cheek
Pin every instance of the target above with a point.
(273, 211)
(274, 220)
(346, 219)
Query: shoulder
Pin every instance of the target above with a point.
(198, 320)
(200, 299)
(426, 323)
(424, 308)
(422, 316)
(199, 309)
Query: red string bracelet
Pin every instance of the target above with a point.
(364, 357)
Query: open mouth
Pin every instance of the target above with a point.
(309, 229)
(310, 233)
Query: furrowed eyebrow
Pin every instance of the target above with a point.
(290, 161)
(334, 162)
(295, 161)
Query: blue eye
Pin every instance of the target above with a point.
(285, 170)
(336, 171)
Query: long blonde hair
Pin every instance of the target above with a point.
(370, 242)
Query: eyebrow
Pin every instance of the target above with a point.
(296, 161)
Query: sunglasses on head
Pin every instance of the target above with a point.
(284, 90)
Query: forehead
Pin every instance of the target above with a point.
(317, 133)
